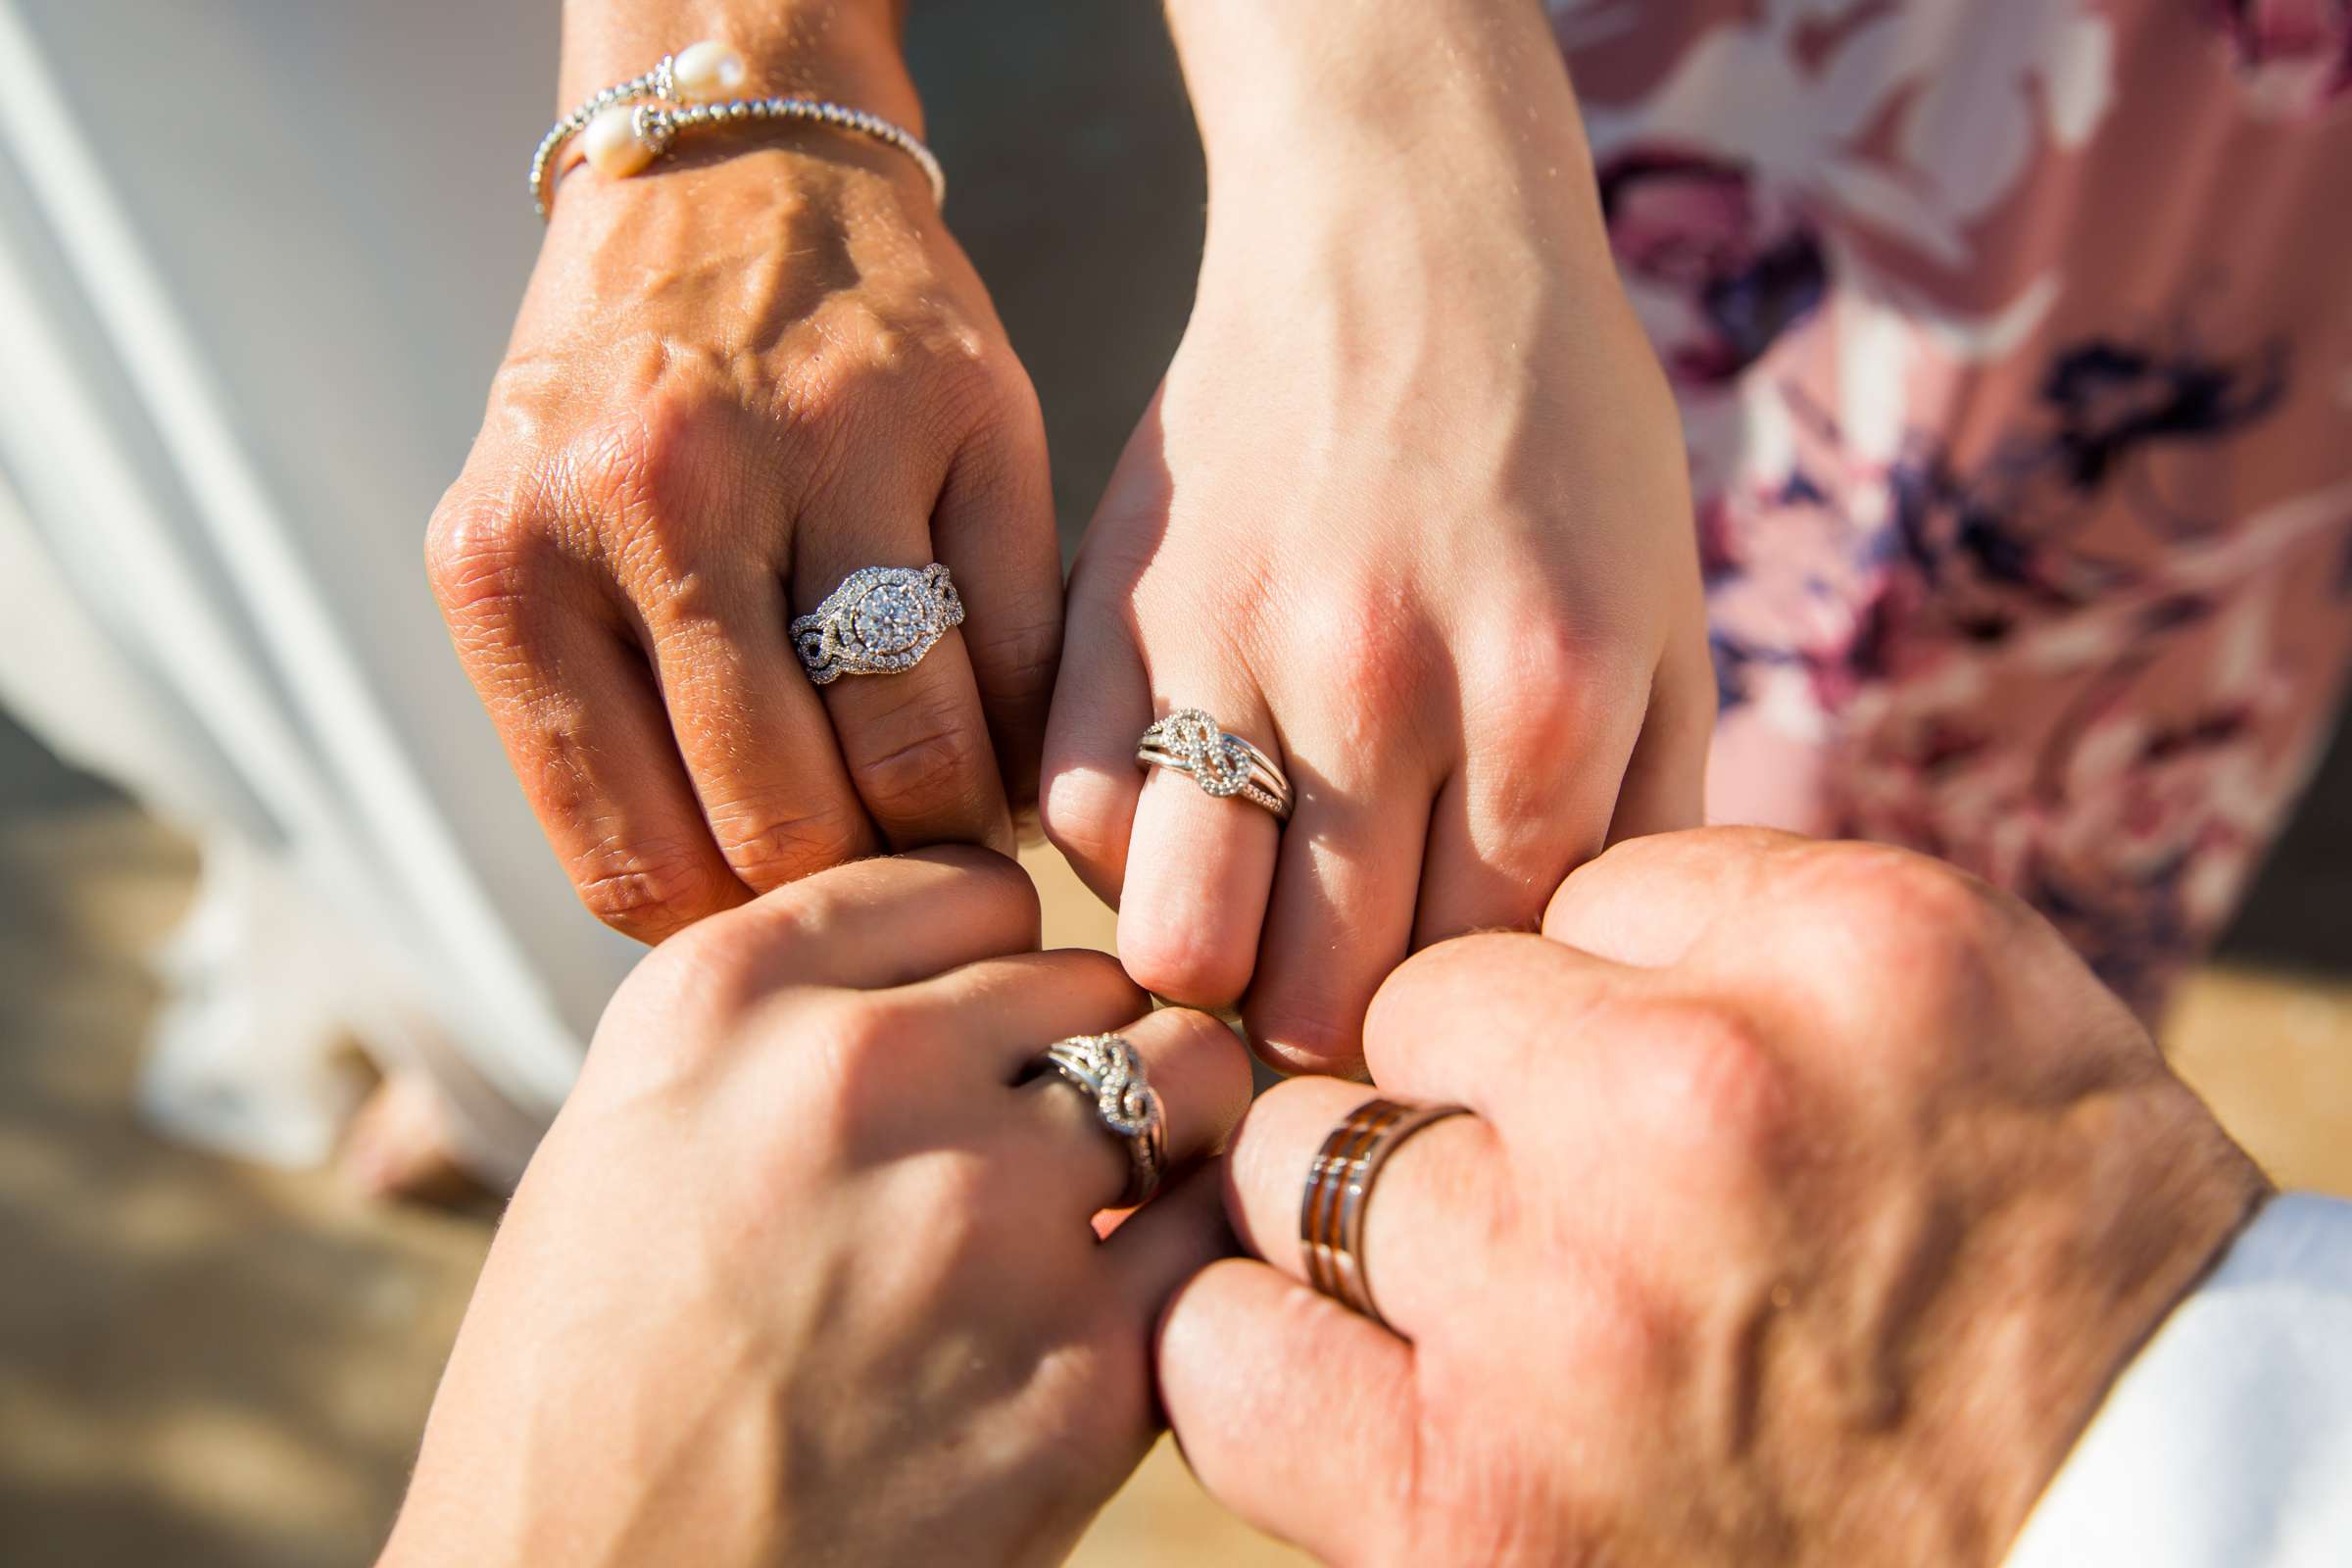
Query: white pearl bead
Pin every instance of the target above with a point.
(707, 70)
(611, 145)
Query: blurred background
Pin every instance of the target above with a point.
(255, 264)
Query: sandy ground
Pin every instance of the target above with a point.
(205, 1363)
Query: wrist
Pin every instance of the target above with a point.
(1338, 127)
(847, 51)
(1314, 92)
(2084, 1276)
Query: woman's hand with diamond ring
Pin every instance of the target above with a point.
(737, 380)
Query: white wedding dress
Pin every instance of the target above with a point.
(257, 263)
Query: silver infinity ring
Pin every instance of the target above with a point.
(1189, 741)
(1109, 1072)
(880, 621)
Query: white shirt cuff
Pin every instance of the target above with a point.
(2228, 1441)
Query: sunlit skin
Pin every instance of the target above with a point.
(1814, 1196)
(1408, 511)
(805, 1271)
(737, 377)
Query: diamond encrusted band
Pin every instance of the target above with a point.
(1107, 1069)
(1189, 741)
(880, 621)
(1339, 1194)
(685, 91)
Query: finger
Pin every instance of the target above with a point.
(993, 528)
(1478, 1019)
(914, 741)
(1155, 1248)
(583, 726)
(1532, 799)
(1294, 1412)
(1649, 901)
(752, 732)
(1199, 866)
(1003, 1011)
(887, 922)
(1191, 1062)
(1102, 706)
(1341, 917)
(1665, 786)
(1422, 1257)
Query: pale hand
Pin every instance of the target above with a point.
(1409, 512)
(805, 1272)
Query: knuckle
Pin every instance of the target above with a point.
(658, 478)
(480, 555)
(768, 846)
(929, 762)
(647, 892)
(1907, 922)
(732, 954)
(922, 372)
(1376, 633)
(1714, 1085)
(862, 1050)
(970, 386)
(1549, 688)
(956, 1193)
(705, 980)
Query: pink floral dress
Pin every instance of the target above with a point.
(2014, 345)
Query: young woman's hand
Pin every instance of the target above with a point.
(1409, 513)
(804, 1273)
(738, 378)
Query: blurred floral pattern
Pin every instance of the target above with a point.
(2295, 55)
(2024, 495)
(1739, 259)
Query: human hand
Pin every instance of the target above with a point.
(801, 1275)
(1813, 1198)
(1409, 512)
(737, 378)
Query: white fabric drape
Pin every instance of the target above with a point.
(256, 266)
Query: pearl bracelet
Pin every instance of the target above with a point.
(687, 91)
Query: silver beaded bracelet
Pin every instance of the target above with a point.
(629, 124)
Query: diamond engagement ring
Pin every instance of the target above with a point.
(880, 621)
(1189, 741)
(1108, 1071)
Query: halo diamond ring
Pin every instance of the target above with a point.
(880, 621)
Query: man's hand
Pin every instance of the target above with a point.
(804, 1273)
(1814, 1196)
(738, 378)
